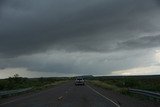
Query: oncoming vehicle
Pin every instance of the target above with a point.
(79, 81)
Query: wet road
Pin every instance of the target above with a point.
(66, 95)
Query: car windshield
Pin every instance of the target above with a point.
(79, 53)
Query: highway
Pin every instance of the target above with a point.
(68, 95)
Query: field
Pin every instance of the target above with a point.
(150, 83)
(17, 82)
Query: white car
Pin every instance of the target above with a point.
(79, 81)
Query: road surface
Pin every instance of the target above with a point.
(66, 95)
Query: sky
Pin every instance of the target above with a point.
(45, 38)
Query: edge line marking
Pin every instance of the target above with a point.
(103, 96)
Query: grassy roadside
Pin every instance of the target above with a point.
(36, 89)
(36, 84)
(16, 82)
(108, 86)
(150, 83)
(122, 90)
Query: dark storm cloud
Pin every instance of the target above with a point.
(32, 27)
(77, 36)
(1, 2)
(158, 2)
(141, 43)
(79, 63)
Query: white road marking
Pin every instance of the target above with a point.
(103, 96)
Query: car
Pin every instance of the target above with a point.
(79, 81)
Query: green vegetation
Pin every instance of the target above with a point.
(151, 83)
(17, 82)
(122, 83)
(108, 86)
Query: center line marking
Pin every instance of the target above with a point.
(103, 96)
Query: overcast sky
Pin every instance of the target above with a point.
(79, 37)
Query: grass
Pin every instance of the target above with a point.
(150, 83)
(37, 84)
(108, 86)
(13, 83)
(122, 83)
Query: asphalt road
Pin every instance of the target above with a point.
(66, 95)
